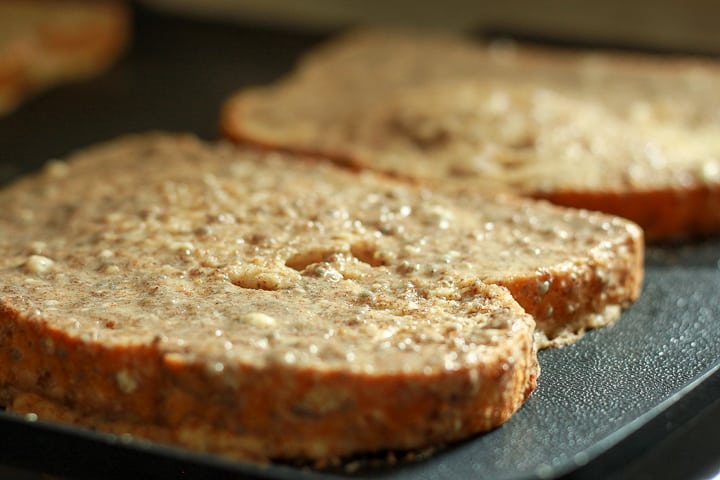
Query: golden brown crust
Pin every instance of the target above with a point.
(48, 42)
(663, 213)
(262, 416)
(614, 126)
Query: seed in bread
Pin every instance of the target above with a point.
(260, 307)
(636, 136)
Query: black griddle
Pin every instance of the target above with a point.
(639, 399)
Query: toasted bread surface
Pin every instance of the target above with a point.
(261, 307)
(632, 135)
(44, 43)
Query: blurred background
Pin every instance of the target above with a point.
(692, 25)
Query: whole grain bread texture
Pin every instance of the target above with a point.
(263, 307)
(47, 42)
(629, 134)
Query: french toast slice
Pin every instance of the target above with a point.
(262, 307)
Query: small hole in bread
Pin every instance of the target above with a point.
(301, 260)
(367, 252)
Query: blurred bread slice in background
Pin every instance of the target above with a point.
(634, 135)
(44, 43)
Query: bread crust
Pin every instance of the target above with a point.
(50, 42)
(618, 126)
(663, 212)
(255, 414)
(261, 307)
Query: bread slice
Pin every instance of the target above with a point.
(261, 307)
(46, 42)
(632, 135)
